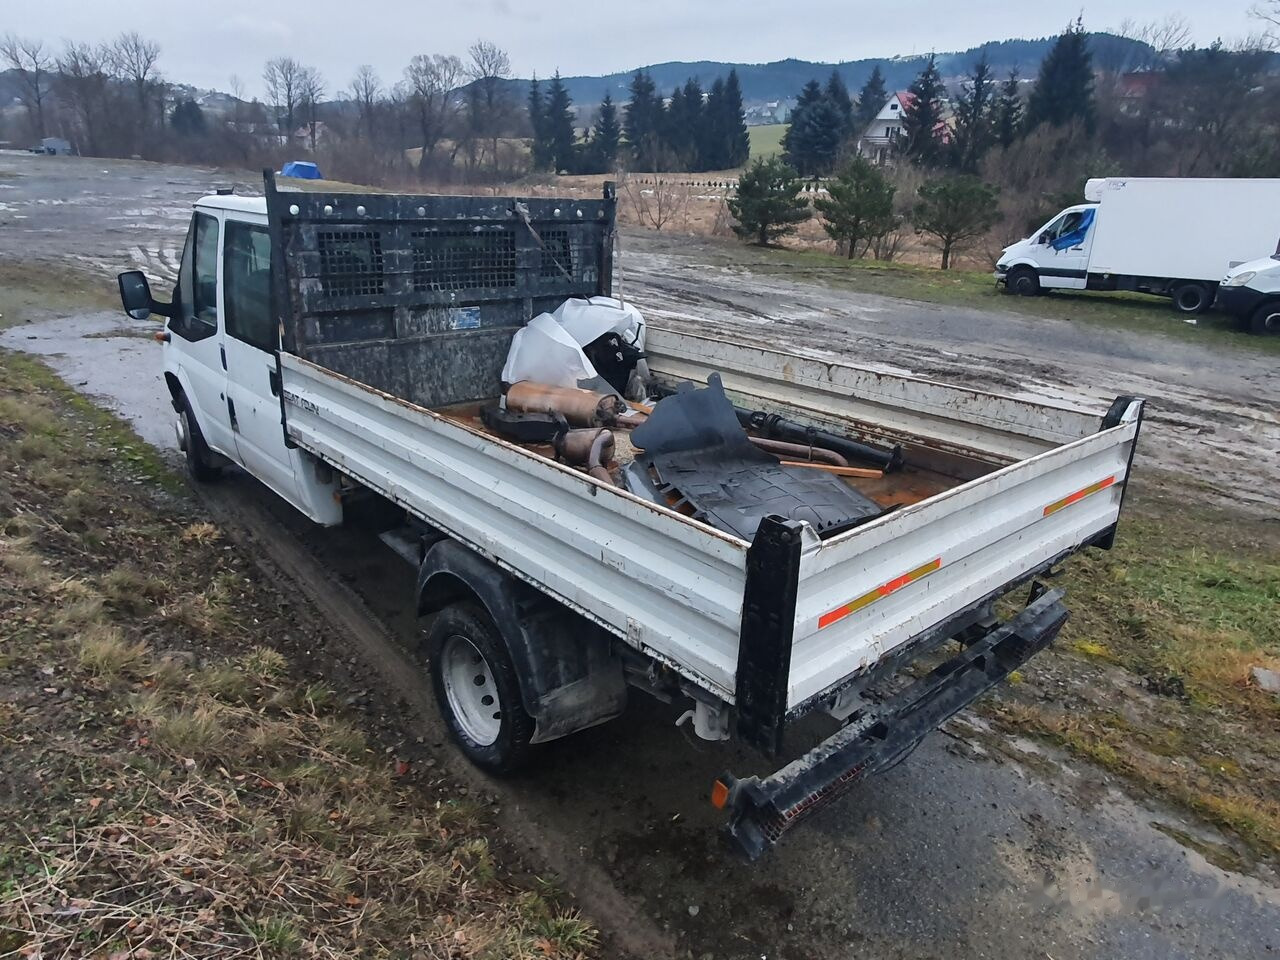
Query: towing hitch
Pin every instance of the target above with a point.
(761, 811)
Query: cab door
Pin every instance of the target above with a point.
(252, 337)
(1067, 242)
(197, 356)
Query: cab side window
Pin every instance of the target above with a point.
(246, 278)
(196, 296)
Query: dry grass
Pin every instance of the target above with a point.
(176, 787)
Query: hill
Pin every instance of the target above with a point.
(783, 78)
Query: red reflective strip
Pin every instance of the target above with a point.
(1079, 495)
(871, 596)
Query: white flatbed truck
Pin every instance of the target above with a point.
(335, 344)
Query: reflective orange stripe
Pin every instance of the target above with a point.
(871, 596)
(1079, 495)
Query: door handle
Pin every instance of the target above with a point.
(273, 377)
(223, 351)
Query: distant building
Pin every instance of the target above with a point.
(878, 141)
(54, 147)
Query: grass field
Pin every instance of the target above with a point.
(766, 141)
(173, 786)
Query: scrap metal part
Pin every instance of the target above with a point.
(697, 453)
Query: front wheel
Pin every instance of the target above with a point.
(477, 689)
(1192, 298)
(200, 462)
(1023, 281)
(1266, 319)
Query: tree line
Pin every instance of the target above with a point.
(996, 156)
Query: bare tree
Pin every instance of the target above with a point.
(283, 79)
(431, 81)
(134, 60)
(1160, 38)
(488, 102)
(365, 91)
(32, 64)
(311, 89)
(83, 87)
(656, 202)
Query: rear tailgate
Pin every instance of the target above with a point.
(867, 592)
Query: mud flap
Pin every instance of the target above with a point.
(761, 811)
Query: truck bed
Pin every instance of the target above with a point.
(1008, 488)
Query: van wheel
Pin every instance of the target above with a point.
(1192, 298)
(1023, 281)
(477, 689)
(1266, 319)
(192, 442)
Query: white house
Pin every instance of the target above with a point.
(876, 142)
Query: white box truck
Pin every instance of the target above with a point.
(1171, 237)
(340, 346)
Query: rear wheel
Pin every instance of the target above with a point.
(200, 463)
(1192, 298)
(1023, 281)
(1266, 319)
(477, 689)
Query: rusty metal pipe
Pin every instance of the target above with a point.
(590, 448)
(800, 451)
(582, 408)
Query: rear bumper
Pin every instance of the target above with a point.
(761, 811)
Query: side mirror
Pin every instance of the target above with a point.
(135, 294)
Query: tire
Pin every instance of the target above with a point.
(470, 664)
(1023, 281)
(199, 457)
(1266, 319)
(1192, 298)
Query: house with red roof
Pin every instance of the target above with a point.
(878, 141)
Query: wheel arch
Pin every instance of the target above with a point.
(570, 677)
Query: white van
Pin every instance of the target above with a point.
(1171, 237)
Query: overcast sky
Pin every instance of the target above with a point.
(205, 43)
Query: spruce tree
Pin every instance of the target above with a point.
(1064, 86)
(537, 120)
(838, 95)
(922, 125)
(605, 136)
(734, 123)
(642, 121)
(559, 126)
(813, 139)
(871, 100)
(1007, 122)
(767, 203)
(712, 133)
(974, 132)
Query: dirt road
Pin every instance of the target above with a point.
(959, 852)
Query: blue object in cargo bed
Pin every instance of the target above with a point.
(301, 170)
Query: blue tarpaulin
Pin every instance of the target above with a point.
(1076, 236)
(301, 169)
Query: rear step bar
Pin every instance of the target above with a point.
(761, 811)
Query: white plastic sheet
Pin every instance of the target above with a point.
(589, 320)
(544, 351)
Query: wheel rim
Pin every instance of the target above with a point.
(470, 690)
(1189, 300)
(1271, 322)
(181, 429)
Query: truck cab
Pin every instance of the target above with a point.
(1250, 292)
(220, 341)
(1054, 257)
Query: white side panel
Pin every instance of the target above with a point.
(982, 535)
(910, 408)
(1185, 228)
(668, 585)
